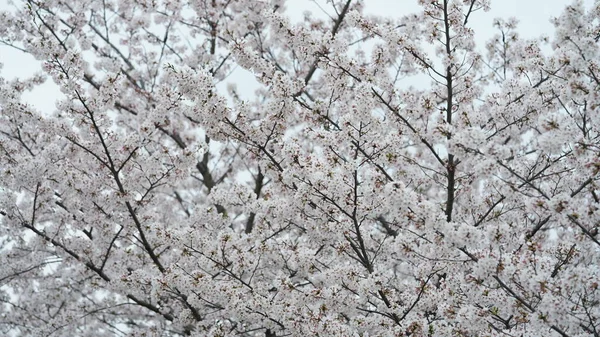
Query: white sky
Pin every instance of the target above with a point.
(533, 16)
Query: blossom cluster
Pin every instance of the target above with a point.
(336, 201)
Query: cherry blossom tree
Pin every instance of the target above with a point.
(337, 201)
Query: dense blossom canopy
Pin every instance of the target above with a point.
(338, 200)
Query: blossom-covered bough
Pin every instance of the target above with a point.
(336, 201)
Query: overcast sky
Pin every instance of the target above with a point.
(533, 15)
